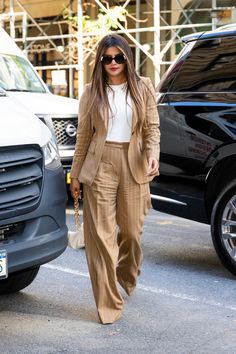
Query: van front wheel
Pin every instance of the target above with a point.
(223, 226)
(18, 281)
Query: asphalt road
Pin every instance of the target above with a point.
(185, 301)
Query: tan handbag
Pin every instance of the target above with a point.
(76, 238)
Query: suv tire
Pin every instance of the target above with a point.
(18, 281)
(223, 226)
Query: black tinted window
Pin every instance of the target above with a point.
(170, 74)
(210, 67)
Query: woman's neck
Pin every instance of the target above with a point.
(116, 80)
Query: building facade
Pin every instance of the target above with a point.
(60, 38)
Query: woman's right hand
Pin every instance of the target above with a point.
(75, 188)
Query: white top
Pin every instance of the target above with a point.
(120, 115)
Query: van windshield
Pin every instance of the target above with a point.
(17, 75)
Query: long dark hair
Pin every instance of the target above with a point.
(99, 97)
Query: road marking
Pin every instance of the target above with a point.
(151, 289)
(185, 297)
(165, 222)
(65, 270)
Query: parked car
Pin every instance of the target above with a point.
(19, 78)
(197, 108)
(32, 196)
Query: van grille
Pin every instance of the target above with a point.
(7, 231)
(62, 128)
(21, 174)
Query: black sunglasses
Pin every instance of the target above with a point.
(119, 59)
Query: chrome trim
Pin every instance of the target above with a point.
(67, 153)
(169, 200)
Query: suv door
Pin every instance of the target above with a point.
(201, 101)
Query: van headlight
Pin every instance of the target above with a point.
(51, 155)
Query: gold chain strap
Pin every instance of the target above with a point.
(76, 213)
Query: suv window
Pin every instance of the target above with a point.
(172, 71)
(210, 67)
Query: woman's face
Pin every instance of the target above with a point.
(114, 70)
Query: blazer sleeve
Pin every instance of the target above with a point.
(83, 136)
(151, 126)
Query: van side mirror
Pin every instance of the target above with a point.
(49, 86)
(2, 92)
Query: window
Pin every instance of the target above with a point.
(170, 74)
(210, 67)
(17, 75)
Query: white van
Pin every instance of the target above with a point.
(21, 81)
(32, 196)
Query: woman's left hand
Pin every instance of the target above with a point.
(153, 166)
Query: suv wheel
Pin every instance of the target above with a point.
(223, 226)
(18, 281)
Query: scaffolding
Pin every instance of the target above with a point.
(166, 21)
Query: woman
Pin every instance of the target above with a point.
(116, 155)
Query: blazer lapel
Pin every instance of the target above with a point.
(135, 112)
(134, 116)
(103, 118)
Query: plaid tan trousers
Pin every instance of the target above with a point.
(114, 210)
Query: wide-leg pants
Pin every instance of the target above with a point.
(114, 210)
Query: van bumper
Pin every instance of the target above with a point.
(41, 235)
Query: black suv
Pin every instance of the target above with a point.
(197, 108)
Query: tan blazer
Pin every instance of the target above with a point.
(92, 132)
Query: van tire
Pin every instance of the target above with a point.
(18, 281)
(223, 224)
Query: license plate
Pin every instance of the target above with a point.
(68, 180)
(3, 264)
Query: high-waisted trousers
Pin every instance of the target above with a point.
(114, 210)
